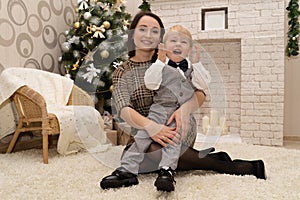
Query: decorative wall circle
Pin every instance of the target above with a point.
(53, 7)
(50, 36)
(74, 3)
(32, 63)
(34, 25)
(48, 62)
(17, 12)
(61, 39)
(24, 45)
(44, 11)
(7, 37)
(69, 16)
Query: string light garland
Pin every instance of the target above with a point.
(292, 48)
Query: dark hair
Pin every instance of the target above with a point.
(136, 19)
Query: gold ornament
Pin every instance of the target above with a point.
(104, 54)
(106, 24)
(111, 88)
(76, 65)
(77, 10)
(76, 25)
(126, 23)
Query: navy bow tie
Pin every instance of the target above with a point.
(183, 65)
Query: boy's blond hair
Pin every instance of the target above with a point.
(179, 29)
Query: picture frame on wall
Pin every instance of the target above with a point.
(214, 18)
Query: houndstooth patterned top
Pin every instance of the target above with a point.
(129, 90)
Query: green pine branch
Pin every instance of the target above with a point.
(145, 6)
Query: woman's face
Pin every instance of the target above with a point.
(147, 33)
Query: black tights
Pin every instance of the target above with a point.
(192, 159)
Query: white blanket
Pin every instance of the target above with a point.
(81, 127)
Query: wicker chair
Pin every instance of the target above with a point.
(33, 115)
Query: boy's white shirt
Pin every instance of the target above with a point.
(153, 75)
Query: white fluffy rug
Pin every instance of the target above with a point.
(24, 176)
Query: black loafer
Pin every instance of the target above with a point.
(119, 178)
(165, 180)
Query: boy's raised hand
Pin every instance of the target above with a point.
(195, 58)
(162, 53)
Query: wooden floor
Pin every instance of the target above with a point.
(27, 142)
(290, 144)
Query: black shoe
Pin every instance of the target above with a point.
(223, 156)
(119, 178)
(165, 180)
(258, 168)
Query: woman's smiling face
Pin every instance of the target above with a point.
(147, 33)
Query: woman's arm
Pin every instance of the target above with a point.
(159, 133)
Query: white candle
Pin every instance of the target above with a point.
(205, 123)
(214, 118)
(223, 125)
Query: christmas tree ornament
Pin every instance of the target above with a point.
(83, 4)
(76, 25)
(87, 15)
(68, 75)
(66, 47)
(59, 59)
(104, 54)
(106, 24)
(76, 65)
(76, 54)
(111, 88)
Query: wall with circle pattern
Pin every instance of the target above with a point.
(31, 32)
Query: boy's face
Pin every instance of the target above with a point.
(178, 46)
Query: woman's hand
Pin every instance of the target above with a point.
(183, 114)
(162, 134)
(182, 119)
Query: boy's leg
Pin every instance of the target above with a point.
(126, 175)
(134, 154)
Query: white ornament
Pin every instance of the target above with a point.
(68, 75)
(92, 72)
(87, 15)
(65, 47)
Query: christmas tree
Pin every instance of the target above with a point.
(96, 45)
(292, 48)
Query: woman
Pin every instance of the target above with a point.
(133, 101)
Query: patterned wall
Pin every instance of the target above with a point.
(31, 32)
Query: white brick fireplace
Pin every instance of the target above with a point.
(249, 54)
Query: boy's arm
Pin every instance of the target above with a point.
(200, 76)
(153, 75)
